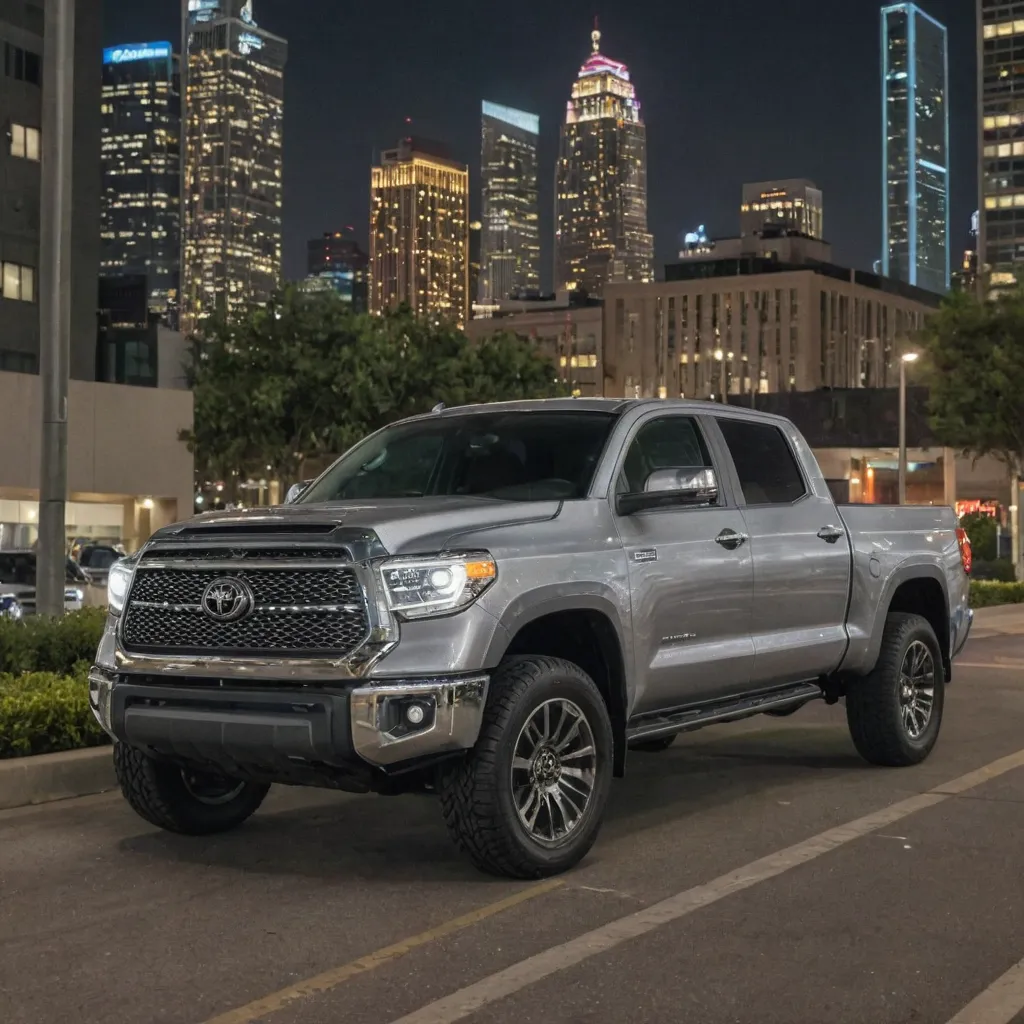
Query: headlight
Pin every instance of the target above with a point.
(420, 587)
(10, 607)
(74, 594)
(118, 582)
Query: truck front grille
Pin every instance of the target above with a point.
(309, 610)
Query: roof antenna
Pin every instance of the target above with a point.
(595, 36)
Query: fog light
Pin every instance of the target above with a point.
(414, 713)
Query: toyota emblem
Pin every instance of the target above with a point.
(227, 600)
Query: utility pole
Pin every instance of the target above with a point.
(55, 300)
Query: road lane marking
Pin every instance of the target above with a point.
(999, 1003)
(469, 1000)
(1011, 665)
(329, 979)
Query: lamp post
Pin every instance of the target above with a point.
(907, 357)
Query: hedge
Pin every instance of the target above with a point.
(987, 593)
(41, 712)
(40, 644)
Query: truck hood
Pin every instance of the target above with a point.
(400, 525)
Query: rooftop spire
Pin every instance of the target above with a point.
(595, 37)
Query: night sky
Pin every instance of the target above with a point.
(731, 91)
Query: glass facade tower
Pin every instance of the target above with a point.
(141, 159)
(915, 148)
(232, 187)
(419, 232)
(510, 246)
(601, 181)
(1000, 259)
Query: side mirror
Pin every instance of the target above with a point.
(296, 491)
(667, 487)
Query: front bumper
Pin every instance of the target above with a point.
(244, 727)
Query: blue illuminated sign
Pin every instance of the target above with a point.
(247, 42)
(136, 51)
(516, 118)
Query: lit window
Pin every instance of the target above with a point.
(24, 142)
(19, 283)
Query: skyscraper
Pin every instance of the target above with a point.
(510, 249)
(336, 262)
(1000, 142)
(233, 164)
(792, 206)
(915, 148)
(601, 181)
(419, 232)
(140, 215)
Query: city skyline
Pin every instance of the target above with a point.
(706, 137)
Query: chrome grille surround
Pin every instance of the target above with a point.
(316, 608)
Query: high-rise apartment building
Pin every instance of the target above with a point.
(793, 206)
(140, 215)
(601, 181)
(337, 262)
(915, 148)
(23, 56)
(1001, 142)
(510, 245)
(232, 189)
(419, 232)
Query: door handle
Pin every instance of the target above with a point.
(830, 534)
(730, 539)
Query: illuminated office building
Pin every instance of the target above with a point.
(233, 160)
(790, 207)
(915, 148)
(419, 232)
(140, 231)
(1000, 249)
(510, 243)
(338, 264)
(601, 181)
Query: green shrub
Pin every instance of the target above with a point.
(986, 593)
(41, 713)
(39, 644)
(995, 569)
(981, 529)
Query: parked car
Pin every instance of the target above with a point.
(18, 584)
(96, 560)
(499, 603)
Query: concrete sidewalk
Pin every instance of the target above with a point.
(1003, 620)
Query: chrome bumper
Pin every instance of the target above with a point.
(387, 723)
(452, 712)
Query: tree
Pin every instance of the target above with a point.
(305, 377)
(975, 374)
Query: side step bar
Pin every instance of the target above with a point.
(665, 723)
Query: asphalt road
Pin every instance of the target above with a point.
(752, 874)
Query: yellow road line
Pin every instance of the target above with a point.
(324, 982)
(1015, 665)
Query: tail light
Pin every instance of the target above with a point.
(966, 558)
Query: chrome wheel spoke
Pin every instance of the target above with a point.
(917, 688)
(553, 771)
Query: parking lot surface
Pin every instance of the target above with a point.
(752, 873)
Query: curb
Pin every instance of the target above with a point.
(46, 777)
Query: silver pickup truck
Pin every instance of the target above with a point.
(497, 603)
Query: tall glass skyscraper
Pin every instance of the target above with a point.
(510, 246)
(232, 190)
(1000, 260)
(601, 181)
(140, 214)
(915, 148)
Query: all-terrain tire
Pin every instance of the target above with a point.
(653, 746)
(874, 709)
(477, 796)
(158, 793)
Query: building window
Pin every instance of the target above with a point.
(18, 362)
(18, 282)
(22, 65)
(25, 142)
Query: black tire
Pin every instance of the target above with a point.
(158, 793)
(653, 746)
(477, 796)
(875, 704)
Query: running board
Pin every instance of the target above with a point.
(655, 724)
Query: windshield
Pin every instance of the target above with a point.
(510, 456)
(18, 568)
(98, 558)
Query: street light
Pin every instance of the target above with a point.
(907, 357)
